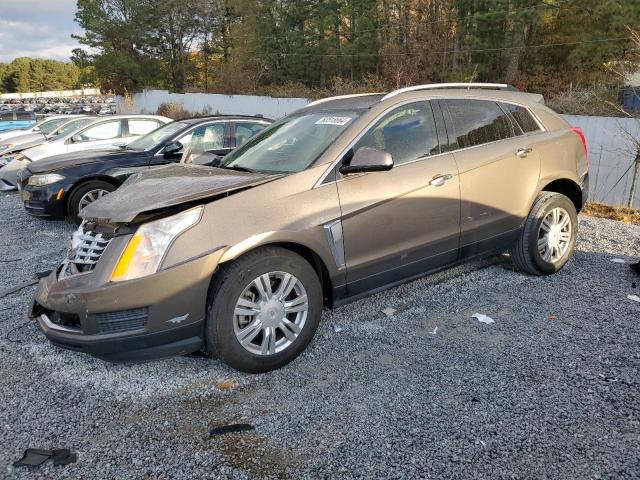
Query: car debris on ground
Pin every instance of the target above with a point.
(34, 457)
(483, 318)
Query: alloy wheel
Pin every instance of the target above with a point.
(270, 313)
(91, 196)
(555, 235)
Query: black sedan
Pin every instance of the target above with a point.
(61, 186)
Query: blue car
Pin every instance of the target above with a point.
(16, 120)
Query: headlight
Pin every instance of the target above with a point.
(6, 146)
(147, 247)
(21, 158)
(46, 179)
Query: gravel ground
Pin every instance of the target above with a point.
(550, 390)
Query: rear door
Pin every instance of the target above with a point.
(499, 171)
(405, 221)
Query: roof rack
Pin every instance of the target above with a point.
(433, 86)
(339, 97)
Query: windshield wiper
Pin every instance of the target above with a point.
(240, 169)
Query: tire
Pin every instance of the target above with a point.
(545, 260)
(77, 194)
(240, 279)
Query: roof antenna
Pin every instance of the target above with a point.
(473, 76)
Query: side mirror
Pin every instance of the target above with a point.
(172, 147)
(77, 138)
(368, 160)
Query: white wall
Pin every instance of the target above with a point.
(613, 145)
(148, 101)
(53, 93)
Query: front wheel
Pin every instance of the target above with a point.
(549, 235)
(85, 194)
(264, 310)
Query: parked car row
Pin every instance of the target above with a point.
(62, 185)
(97, 105)
(237, 252)
(77, 135)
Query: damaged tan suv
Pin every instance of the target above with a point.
(348, 196)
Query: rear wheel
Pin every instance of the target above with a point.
(547, 241)
(85, 194)
(264, 311)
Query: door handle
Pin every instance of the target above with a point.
(440, 180)
(523, 152)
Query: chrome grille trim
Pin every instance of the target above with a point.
(90, 248)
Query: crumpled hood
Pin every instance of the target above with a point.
(73, 159)
(167, 186)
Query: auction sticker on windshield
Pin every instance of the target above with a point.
(333, 121)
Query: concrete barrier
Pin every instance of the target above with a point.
(148, 101)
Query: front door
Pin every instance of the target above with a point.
(403, 222)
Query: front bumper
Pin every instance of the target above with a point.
(153, 317)
(43, 201)
(9, 175)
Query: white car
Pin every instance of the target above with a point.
(44, 126)
(111, 132)
(100, 133)
(39, 133)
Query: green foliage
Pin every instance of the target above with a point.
(235, 46)
(35, 75)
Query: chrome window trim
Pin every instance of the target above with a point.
(327, 172)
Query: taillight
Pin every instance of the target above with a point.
(578, 131)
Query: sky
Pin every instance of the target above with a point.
(37, 28)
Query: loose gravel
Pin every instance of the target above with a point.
(402, 384)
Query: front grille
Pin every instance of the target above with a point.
(86, 250)
(122, 321)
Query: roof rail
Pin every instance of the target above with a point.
(328, 99)
(433, 86)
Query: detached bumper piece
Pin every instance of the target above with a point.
(34, 457)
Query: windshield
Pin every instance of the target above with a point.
(159, 135)
(72, 126)
(291, 144)
(49, 125)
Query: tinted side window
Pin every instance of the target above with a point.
(208, 137)
(6, 117)
(25, 116)
(246, 130)
(523, 117)
(479, 121)
(407, 133)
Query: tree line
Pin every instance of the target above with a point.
(36, 75)
(317, 46)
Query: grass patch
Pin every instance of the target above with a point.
(622, 214)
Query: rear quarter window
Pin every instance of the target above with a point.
(479, 121)
(523, 117)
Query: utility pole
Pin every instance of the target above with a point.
(634, 178)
